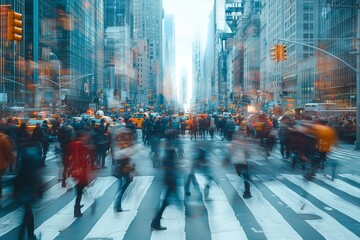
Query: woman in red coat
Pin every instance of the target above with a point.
(78, 161)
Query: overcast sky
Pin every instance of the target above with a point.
(188, 15)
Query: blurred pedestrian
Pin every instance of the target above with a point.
(201, 164)
(122, 152)
(230, 128)
(101, 143)
(6, 156)
(170, 180)
(66, 134)
(212, 127)
(46, 141)
(12, 132)
(27, 184)
(78, 155)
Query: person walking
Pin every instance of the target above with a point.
(101, 143)
(212, 127)
(66, 134)
(201, 164)
(6, 157)
(122, 152)
(170, 180)
(45, 141)
(193, 128)
(26, 185)
(77, 157)
(230, 128)
(12, 131)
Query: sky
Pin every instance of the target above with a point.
(188, 14)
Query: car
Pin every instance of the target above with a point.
(183, 117)
(257, 125)
(97, 120)
(138, 119)
(19, 120)
(31, 124)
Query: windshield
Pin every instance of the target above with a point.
(33, 122)
(139, 115)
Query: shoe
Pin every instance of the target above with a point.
(77, 212)
(247, 195)
(188, 193)
(118, 209)
(206, 190)
(157, 227)
(32, 237)
(63, 184)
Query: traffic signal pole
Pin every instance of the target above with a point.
(357, 70)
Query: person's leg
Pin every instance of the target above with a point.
(155, 224)
(79, 191)
(2, 171)
(29, 219)
(117, 206)
(187, 184)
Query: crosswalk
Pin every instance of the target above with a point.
(281, 207)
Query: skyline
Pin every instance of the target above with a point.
(184, 38)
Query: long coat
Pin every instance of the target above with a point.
(6, 153)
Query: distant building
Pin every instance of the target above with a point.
(169, 58)
(148, 17)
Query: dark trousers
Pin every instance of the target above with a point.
(79, 191)
(211, 131)
(45, 147)
(171, 189)
(65, 163)
(229, 135)
(2, 171)
(101, 148)
(123, 184)
(283, 149)
(28, 222)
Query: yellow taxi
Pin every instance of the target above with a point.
(138, 119)
(183, 117)
(31, 124)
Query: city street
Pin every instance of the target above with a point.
(284, 205)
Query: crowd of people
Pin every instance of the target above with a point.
(84, 147)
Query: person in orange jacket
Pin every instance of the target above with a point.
(6, 156)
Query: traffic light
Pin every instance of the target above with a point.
(282, 52)
(14, 26)
(275, 53)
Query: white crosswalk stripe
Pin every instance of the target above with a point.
(324, 226)
(265, 213)
(130, 204)
(221, 218)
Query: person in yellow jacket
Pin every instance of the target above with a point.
(6, 156)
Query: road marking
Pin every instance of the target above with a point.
(222, 219)
(65, 217)
(326, 197)
(265, 214)
(325, 226)
(121, 221)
